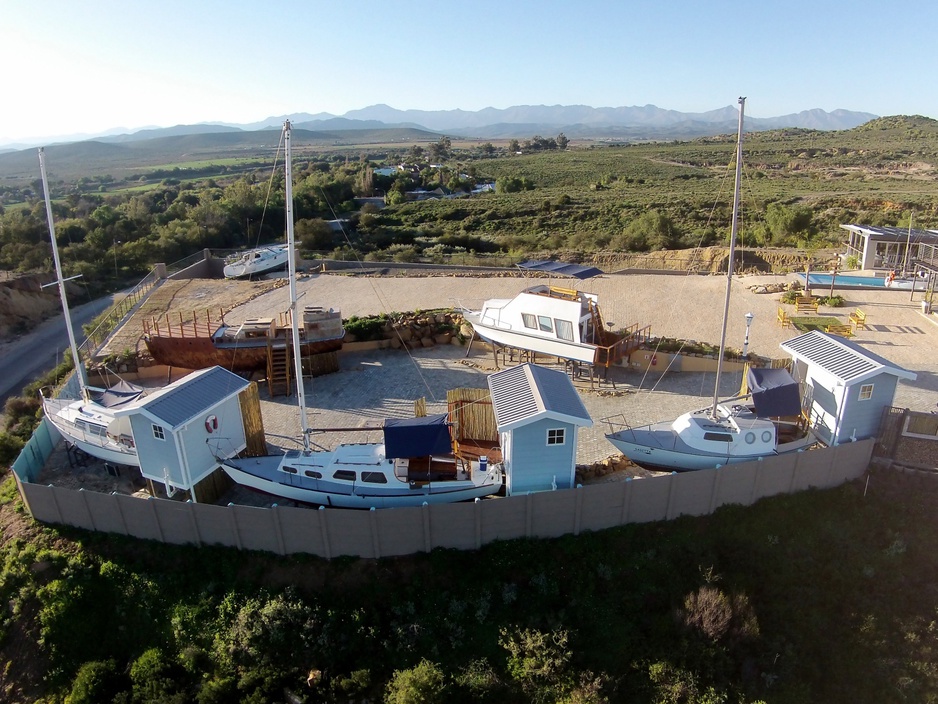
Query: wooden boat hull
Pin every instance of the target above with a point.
(202, 352)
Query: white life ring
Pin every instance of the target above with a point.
(211, 424)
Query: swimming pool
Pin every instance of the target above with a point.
(848, 281)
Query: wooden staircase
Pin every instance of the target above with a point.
(279, 366)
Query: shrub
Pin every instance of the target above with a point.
(96, 681)
(422, 684)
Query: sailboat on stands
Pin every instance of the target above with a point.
(256, 261)
(724, 433)
(88, 422)
(415, 464)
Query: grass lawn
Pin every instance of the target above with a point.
(814, 322)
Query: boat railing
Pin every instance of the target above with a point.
(196, 326)
(624, 342)
(616, 423)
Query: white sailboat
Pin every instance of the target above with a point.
(413, 466)
(256, 261)
(88, 422)
(723, 433)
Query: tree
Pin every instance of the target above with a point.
(562, 141)
(487, 149)
(422, 684)
(513, 146)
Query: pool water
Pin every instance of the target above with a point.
(847, 281)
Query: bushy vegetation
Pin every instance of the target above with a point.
(821, 596)
(800, 186)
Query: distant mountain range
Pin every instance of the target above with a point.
(519, 122)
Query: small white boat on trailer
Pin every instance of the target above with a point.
(256, 261)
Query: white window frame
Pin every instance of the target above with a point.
(158, 432)
(529, 320)
(556, 437)
(865, 393)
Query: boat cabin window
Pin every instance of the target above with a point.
(344, 474)
(81, 425)
(866, 392)
(543, 323)
(313, 474)
(374, 477)
(564, 329)
(158, 432)
(290, 470)
(556, 436)
(530, 321)
(718, 437)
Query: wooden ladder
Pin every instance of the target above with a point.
(279, 361)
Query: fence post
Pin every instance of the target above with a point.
(478, 505)
(194, 522)
(373, 522)
(794, 473)
(578, 511)
(528, 510)
(670, 495)
(427, 538)
(626, 502)
(84, 499)
(156, 518)
(324, 532)
(278, 531)
(755, 482)
(55, 502)
(715, 490)
(234, 526)
(120, 511)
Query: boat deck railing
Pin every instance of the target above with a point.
(622, 344)
(194, 326)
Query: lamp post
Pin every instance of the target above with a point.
(116, 275)
(749, 317)
(834, 277)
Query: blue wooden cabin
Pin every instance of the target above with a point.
(846, 386)
(181, 429)
(537, 412)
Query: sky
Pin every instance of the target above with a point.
(89, 67)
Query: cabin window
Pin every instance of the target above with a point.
(344, 474)
(544, 324)
(313, 474)
(290, 470)
(866, 392)
(158, 432)
(374, 477)
(564, 329)
(81, 425)
(718, 437)
(556, 436)
(530, 321)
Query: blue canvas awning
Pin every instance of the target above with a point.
(417, 437)
(575, 270)
(774, 393)
(121, 393)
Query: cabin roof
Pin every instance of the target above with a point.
(841, 358)
(526, 393)
(189, 397)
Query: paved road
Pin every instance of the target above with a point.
(31, 355)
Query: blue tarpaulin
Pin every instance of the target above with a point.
(774, 393)
(121, 393)
(576, 270)
(417, 437)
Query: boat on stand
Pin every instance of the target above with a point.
(88, 422)
(415, 464)
(552, 320)
(731, 431)
(256, 261)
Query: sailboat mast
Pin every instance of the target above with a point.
(291, 258)
(79, 367)
(731, 257)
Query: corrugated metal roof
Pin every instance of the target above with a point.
(843, 359)
(193, 395)
(894, 234)
(529, 391)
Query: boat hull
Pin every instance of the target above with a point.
(663, 459)
(202, 352)
(93, 444)
(574, 351)
(363, 498)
